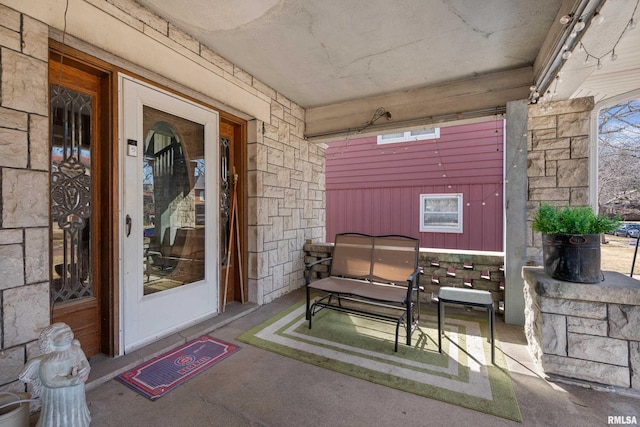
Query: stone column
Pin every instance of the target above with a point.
(558, 160)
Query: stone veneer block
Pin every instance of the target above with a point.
(553, 143)
(556, 154)
(36, 255)
(579, 196)
(581, 325)
(546, 138)
(18, 387)
(580, 147)
(262, 87)
(624, 321)
(586, 309)
(554, 334)
(277, 110)
(544, 122)
(297, 112)
(22, 325)
(25, 198)
(13, 119)
(184, 39)
(598, 349)
(39, 150)
(546, 194)
(13, 148)
(634, 362)
(573, 124)
(8, 237)
(535, 164)
(11, 266)
(568, 106)
(573, 173)
(243, 76)
(142, 14)
(9, 18)
(35, 35)
(586, 370)
(542, 182)
(9, 38)
(11, 362)
(551, 168)
(24, 83)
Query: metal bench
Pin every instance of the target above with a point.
(379, 274)
(467, 297)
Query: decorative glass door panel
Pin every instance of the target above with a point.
(71, 115)
(169, 228)
(174, 214)
(225, 196)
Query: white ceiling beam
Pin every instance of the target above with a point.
(456, 100)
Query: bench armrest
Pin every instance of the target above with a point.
(307, 268)
(414, 276)
(413, 282)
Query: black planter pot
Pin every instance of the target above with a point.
(572, 257)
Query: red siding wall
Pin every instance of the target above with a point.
(376, 189)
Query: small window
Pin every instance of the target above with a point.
(414, 135)
(441, 213)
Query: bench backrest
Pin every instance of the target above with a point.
(388, 259)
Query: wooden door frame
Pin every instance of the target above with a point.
(108, 198)
(240, 162)
(110, 297)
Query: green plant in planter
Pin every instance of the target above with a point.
(571, 241)
(572, 220)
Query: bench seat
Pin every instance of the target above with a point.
(378, 292)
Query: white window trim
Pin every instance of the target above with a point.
(407, 136)
(441, 229)
(593, 141)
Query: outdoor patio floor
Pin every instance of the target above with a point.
(255, 387)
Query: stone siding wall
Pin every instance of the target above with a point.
(477, 270)
(286, 205)
(24, 191)
(285, 184)
(583, 331)
(557, 160)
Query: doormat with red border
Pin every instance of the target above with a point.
(158, 376)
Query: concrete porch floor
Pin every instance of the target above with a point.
(255, 387)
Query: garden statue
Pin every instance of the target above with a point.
(58, 377)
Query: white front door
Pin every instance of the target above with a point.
(169, 264)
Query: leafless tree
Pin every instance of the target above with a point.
(619, 157)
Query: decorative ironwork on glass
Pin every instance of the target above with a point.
(225, 197)
(71, 125)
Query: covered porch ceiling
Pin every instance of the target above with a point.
(422, 61)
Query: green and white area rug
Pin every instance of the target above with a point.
(363, 348)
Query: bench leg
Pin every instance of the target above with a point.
(409, 323)
(307, 315)
(440, 321)
(492, 323)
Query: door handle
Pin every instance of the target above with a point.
(128, 221)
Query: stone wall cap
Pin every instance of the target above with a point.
(616, 288)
